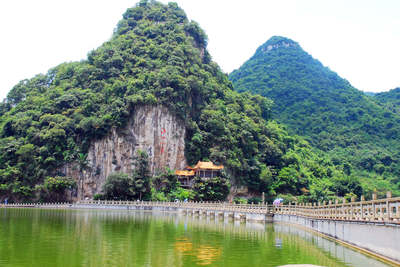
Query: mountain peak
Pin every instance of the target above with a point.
(276, 42)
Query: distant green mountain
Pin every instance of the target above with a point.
(390, 100)
(370, 93)
(333, 116)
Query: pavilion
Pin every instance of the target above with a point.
(203, 169)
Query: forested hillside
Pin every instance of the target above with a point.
(389, 100)
(358, 134)
(156, 56)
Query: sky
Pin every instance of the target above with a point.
(358, 39)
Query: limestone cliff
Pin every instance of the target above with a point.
(152, 129)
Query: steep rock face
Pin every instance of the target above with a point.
(152, 129)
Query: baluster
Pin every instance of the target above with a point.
(388, 197)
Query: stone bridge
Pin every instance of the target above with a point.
(386, 211)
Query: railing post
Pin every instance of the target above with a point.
(329, 213)
(362, 199)
(313, 210)
(336, 209)
(373, 206)
(345, 214)
(388, 196)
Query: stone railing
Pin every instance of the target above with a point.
(375, 210)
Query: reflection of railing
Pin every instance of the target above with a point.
(198, 206)
(375, 210)
(37, 205)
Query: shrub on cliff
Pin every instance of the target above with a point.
(119, 186)
(165, 182)
(122, 186)
(212, 189)
(141, 176)
(54, 189)
(181, 194)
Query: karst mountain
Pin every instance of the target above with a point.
(314, 102)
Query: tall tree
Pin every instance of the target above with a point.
(119, 186)
(141, 175)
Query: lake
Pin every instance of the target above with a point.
(45, 237)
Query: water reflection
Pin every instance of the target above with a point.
(127, 238)
(278, 243)
(183, 245)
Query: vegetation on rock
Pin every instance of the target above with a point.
(213, 189)
(118, 186)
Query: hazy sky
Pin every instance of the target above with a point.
(358, 39)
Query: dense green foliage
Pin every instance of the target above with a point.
(165, 187)
(213, 189)
(156, 56)
(165, 182)
(361, 138)
(390, 100)
(55, 188)
(118, 186)
(123, 186)
(141, 176)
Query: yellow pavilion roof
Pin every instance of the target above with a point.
(184, 173)
(208, 165)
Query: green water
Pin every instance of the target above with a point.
(33, 237)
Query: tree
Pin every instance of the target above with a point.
(54, 188)
(141, 175)
(119, 186)
(347, 184)
(213, 189)
(166, 181)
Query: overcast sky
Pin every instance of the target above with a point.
(358, 39)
